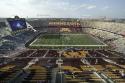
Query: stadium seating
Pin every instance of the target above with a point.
(115, 76)
(52, 53)
(111, 32)
(39, 53)
(78, 54)
(2, 24)
(76, 75)
(8, 73)
(37, 74)
(26, 53)
(11, 42)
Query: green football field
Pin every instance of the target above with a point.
(66, 40)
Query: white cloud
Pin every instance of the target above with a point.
(85, 15)
(83, 6)
(105, 8)
(15, 7)
(91, 7)
(52, 8)
(42, 8)
(86, 6)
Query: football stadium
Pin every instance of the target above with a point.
(61, 50)
(66, 40)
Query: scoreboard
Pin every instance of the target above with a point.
(17, 24)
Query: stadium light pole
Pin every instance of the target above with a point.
(60, 61)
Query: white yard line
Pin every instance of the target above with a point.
(66, 45)
(34, 41)
(67, 34)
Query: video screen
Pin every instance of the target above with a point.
(17, 24)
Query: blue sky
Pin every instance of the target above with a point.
(63, 8)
